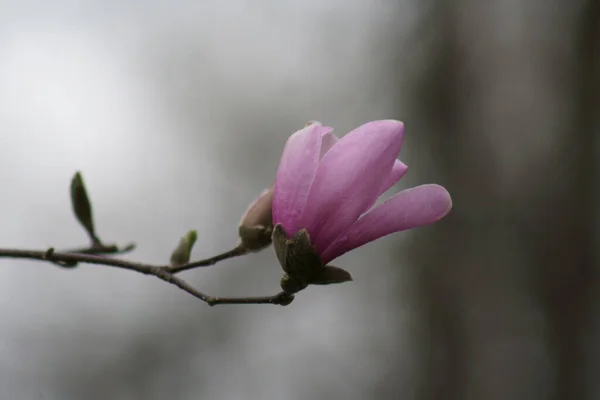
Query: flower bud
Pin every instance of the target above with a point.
(256, 226)
(182, 252)
(82, 207)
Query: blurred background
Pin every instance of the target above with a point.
(177, 113)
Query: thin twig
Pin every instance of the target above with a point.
(97, 247)
(76, 257)
(163, 272)
(235, 252)
(109, 249)
(281, 298)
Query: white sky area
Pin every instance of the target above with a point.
(89, 86)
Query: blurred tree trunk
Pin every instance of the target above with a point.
(507, 281)
(442, 306)
(563, 232)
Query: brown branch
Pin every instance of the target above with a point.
(109, 249)
(98, 253)
(97, 247)
(163, 272)
(235, 252)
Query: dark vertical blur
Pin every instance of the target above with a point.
(563, 242)
(506, 284)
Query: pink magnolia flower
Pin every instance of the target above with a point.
(328, 187)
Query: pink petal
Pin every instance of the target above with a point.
(398, 171)
(296, 173)
(348, 179)
(328, 141)
(408, 209)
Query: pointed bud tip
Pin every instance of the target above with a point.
(191, 237)
(309, 123)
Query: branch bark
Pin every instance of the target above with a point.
(163, 272)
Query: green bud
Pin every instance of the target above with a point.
(181, 254)
(82, 208)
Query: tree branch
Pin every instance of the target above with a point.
(100, 248)
(235, 252)
(97, 254)
(163, 272)
(97, 247)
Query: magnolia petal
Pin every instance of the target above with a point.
(346, 182)
(296, 173)
(327, 143)
(398, 171)
(408, 209)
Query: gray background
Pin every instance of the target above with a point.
(177, 113)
